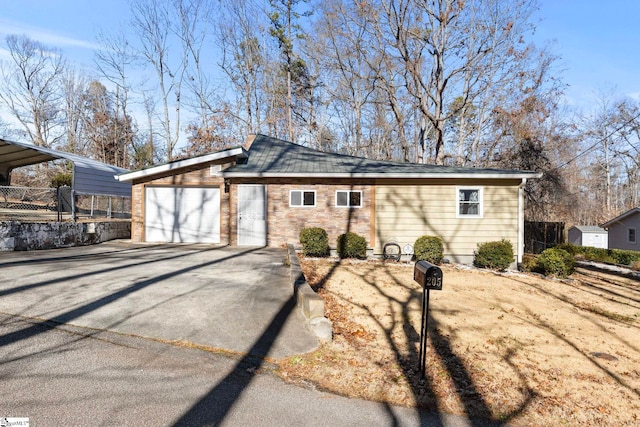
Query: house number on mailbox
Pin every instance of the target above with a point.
(429, 276)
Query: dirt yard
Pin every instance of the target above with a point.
(510, 347)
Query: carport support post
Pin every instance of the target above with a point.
(59, 204)
(73, 205)
(424, 332)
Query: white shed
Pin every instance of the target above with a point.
(588, 235)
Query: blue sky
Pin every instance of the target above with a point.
(598, 41)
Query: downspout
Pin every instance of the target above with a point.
(520, 249)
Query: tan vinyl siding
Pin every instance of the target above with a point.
(405, 212)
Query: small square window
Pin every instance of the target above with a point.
(469, 203)
(300, 198)
(349, 199)
(631, 235)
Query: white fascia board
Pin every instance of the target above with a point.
(180, 164)
(385, 175)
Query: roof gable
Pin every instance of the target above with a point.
(180, 165)
(620, 218)
(272, 157)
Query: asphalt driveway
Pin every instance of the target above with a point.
(236, 299)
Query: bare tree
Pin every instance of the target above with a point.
(152, 23)
(74, 84)
(243, 59)
(31, 89)
(114, 62)
(192, 28)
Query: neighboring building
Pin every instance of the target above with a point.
(266, 192)
(88, 176)
(623, 230)
(588, 235)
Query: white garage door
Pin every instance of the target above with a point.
(182, 214)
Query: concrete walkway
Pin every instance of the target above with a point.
(238, 299)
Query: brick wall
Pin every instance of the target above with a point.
(284, 222)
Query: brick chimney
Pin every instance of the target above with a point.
(250, 138)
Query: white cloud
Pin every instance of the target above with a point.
(44, 36)
(634, 95)
(4, 54)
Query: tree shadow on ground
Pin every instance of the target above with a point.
(440, 348)
(214, 407)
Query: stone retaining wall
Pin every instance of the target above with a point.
(27, 236)
(311, 304)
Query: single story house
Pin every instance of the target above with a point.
(623, 230)
(588, 235)
(266, 192)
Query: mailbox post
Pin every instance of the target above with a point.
(429, 276)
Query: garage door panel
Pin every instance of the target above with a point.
(182, 215)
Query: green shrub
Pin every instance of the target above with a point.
(496, 255)
(572, 249)
(625, 257)
(429, 248)
(60, 179)
(530, 263)
(315, 242)
(352, 245)
(556, 262)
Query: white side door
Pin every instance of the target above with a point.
(252, 220)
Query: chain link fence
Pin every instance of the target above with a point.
(25, 202)
(101, 206)
(59, 204)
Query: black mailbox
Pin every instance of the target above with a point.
(427, 275)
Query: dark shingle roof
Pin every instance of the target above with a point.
(271, 157)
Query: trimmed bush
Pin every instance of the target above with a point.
(315, 242)
(556, 262)
(530, 263)
(625, 257)
(497, 255)
(429, 248)
(613, 256)
(572, 249)
(352, 245)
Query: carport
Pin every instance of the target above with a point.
(89, 176)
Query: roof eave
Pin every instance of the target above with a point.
(181, 164)
(620, 217)
(382, 175)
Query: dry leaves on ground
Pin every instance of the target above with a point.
(509, 347)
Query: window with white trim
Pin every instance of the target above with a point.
(469, 202)
(348, 199)
(302, 198)
(631, 235)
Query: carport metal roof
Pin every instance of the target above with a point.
(89, 176)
